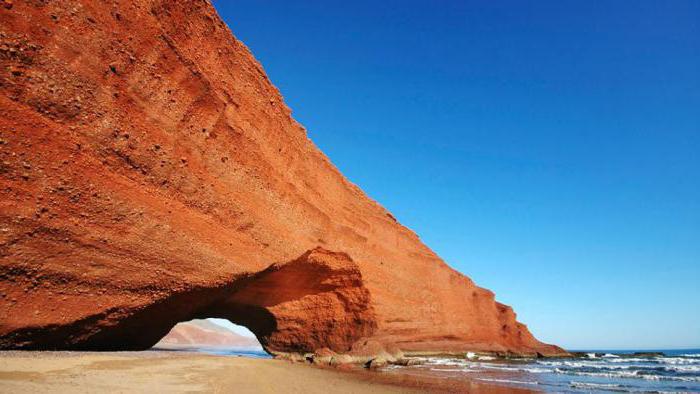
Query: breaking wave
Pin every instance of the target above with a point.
(507, 381)
(591, 372)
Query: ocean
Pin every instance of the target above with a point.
(595, 371)
(215, 350)
(672, 371)
(252, 353)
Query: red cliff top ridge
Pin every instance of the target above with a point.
(150, 174)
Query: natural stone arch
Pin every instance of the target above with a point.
(317, 300)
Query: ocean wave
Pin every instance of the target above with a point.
(590, 364)
(683, 368)
(625, 363)
(515, 369)
(628, 374)
(508, 381)
(679, 360)
(672, 392)
(475, 367)
(604, 386)
(452, 370)
(474, 356)
(443, 361)
(630, 360)
(604, 373)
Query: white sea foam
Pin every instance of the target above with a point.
(551, 363)
(679, 360)
(671, 392)
(683, 368)
(628, 374)
(619, 367)
(535, 370)
(443, 361)
(515, 369)
(452, 370)
(507, 381)
(627, 360)
(584, 385)
(585, 364)
(665, 372)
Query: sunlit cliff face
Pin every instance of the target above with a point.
(151, 174)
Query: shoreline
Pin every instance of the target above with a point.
(160, 371)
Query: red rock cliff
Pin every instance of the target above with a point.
(150, 173)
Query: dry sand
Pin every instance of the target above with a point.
(174, 372)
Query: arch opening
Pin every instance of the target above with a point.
(212, 335)
(315, 301)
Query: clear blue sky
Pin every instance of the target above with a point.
(549, 151)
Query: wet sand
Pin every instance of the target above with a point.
(164, 371)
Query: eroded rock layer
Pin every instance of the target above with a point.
(150, 173)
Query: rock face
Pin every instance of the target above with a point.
(150, 174)
(206, 334)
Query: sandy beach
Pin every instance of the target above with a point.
(177, 372)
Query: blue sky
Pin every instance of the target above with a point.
(549, 151)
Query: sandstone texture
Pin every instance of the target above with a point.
(150, 173)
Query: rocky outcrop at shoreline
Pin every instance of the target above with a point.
(150, 173)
